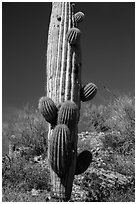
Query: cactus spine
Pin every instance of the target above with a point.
(63, 85)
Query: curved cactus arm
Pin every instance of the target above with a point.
(84, 160)
(73, 36)
(48, 109)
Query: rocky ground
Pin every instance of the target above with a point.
(100, 180)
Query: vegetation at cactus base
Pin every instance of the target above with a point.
(108, 132)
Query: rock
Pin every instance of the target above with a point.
(34, 192)
(110, 178)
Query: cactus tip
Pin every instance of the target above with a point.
(79, 17)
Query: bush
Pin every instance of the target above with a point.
(124, 164)
(29, 135)
(93, 118)
(118, 115)
(29, 130)
(26, 175)
(122, 116)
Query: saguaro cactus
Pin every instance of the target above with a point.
(63, 87)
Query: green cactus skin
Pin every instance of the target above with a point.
(88, 92)
(73, 36)
(79, 17)
(48, 109)
(60, 150)
(68, 114)
(83, 161)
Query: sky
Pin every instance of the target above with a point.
(108, 50)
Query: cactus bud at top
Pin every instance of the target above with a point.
(88, 92)
(60, 150)
(73, 36)
(68, 114)
(79, 16)
(48, 109)
(83, 161)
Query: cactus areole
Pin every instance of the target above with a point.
(63, 85)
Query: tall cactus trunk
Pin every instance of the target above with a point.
(63, 82)
(63, 60)
(61, 106)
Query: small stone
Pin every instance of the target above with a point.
(34, 192)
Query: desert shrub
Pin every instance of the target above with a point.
(14, 195)
(27, 175)
(13, 172)
(28, 134)
(118, 115)
(117, 121)
(119, 143)
(96, 191)
(122, 116)
(99, 191)
(124, 164)
(122, 136)
(84, 144)
(91, 142)
(36, 176)
(93, 118)
(122, 196)
(29, 130)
